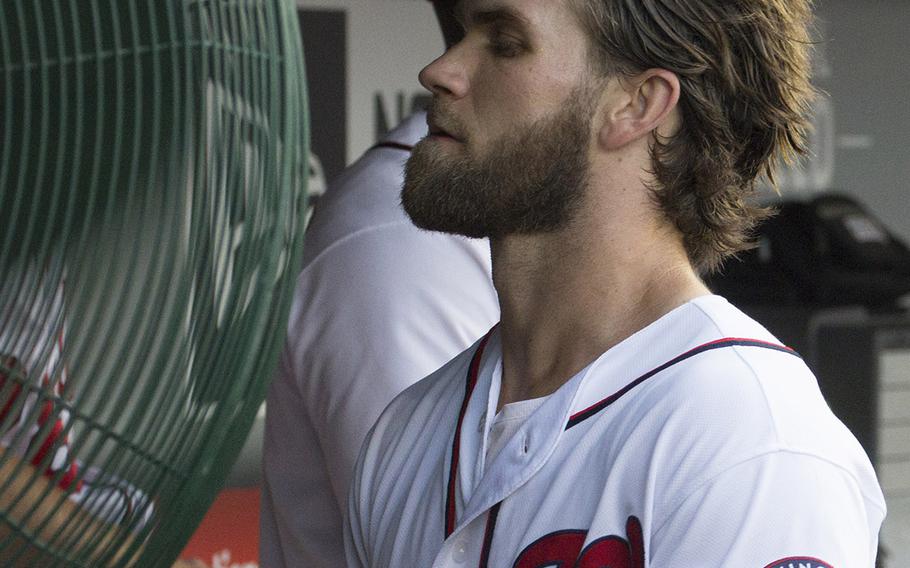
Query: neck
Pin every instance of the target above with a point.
(569, 296)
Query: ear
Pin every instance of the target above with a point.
(637, 106)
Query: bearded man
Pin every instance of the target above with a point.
(619, 415)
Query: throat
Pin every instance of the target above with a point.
(523, 380)
(548, 343)
(564, 302)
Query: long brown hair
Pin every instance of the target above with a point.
(744, 68)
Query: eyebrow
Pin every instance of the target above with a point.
(491, 16)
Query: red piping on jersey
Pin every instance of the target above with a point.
(456, 443)
(488, 535)
(393, 145)
(471, 382)
(580, 416)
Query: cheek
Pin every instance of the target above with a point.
(521, 93)
(507, 80)
(500, 106)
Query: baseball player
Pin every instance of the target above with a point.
(379, 304)
(619, 415)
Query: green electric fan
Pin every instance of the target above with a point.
(152, 198)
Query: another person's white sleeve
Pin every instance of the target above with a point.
(373, 313)
(388, 310)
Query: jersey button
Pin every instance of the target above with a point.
(460, 552)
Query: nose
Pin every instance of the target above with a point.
(445, 76)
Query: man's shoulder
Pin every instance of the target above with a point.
(740, 396)
(755, 382)
(758, 392)
(366, 193)
(729, 384)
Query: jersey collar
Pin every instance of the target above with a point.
(681, 333)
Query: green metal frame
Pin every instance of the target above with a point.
(153, 160)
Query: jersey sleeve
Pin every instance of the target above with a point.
(300, 523)
(380, 312)
(373, 313)
(772, 511)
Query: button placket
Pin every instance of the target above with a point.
(460, 551)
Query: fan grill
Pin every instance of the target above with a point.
(152, 180)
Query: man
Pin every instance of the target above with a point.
(379, 304)
(619, 415)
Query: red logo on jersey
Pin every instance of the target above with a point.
(798, 562)
(562, 549)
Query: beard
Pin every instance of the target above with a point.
(530, 181)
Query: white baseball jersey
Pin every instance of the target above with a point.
(699, 441)
(379, 304)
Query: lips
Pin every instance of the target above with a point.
(441, 132)
(442, 127)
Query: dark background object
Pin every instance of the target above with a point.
(324, 35)
(827, 251)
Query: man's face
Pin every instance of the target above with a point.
(530, 180)
(510, 124)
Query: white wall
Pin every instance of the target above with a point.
(867, 48)
(389, 41)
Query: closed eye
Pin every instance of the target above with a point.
(502, 45)
(505, 27)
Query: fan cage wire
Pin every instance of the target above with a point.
(20, 331)
(211, 447)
